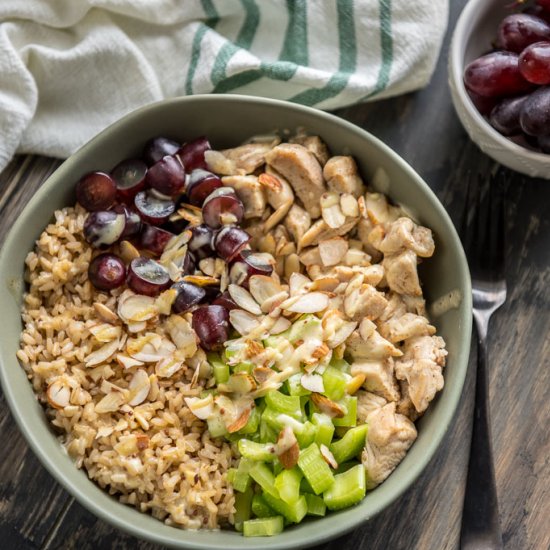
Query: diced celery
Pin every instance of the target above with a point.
(271, 418)
(350, 445)
(277, 468)
(264, 477)
(268, 434)
(245, 366)
(260, 508)
(286, 404)
(335, 382)
(292, 512)
(231, 475)
(264, 452)
(241, 480)
(219, 368)
(350, 418)
(243, 502)
(229, 352)
(308, 326)
(294, 385)
(264, 527)
(253, 423)
(348, 489)
(325, 428)
(315, 469)
(315, 505)
(340, 364)
(345, 467)
(305, 487)
(216, 426)
(288, 485)
(274, 341)
(307, 435)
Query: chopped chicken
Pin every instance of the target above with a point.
(379, 377)
(303, 172)
(405, 405)
(251, 193)
(374, 347)
(343, 177)
(403, 234)
(364, 301)
(248, 157)
(278, 190)
(421, 366)
(367, 402)
(297, 221)
(389, 438)
(401, 273)
(315, 145)
(364, 228)
(379, 210)
(405, 326)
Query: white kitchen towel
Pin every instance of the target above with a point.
(69, 68)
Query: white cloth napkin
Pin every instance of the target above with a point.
(69, 68)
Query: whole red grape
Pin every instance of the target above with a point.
(107, 271)
(519, 30)
(535, 113)
(534, 63)
(96, 191)
(505, 116)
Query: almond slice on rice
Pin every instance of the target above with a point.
(168, 366)
(312, 302)
(127, 362)
(182, 334)
(266, 291)
(244, 299)
(136, 307)
(139, 387)
(110, 403)
(105, 332)
(243, 322)
(164, 301)
(201, 408)
(105, 313)
(313, 383)
(59, 394)
(102, 354)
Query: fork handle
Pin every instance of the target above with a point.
(480, 519)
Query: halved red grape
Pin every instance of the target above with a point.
(96, 191)
(189, 263)
(188, 296)
(226, 301)
(222, 207)
(192, 154)
(129, 177)
(167, 176)
(495, 75)
(211, 324)
(200, 184)
(104, 228)
(153, 209)
(145, 276)
(132, 221)
(535, 113)
(154, 239)
(544, 143)
(159, 147)
(107, 271)
(248, 263)
(505, 116)
(534, 63)
(518, 30)
(201, 243)
(230, 241)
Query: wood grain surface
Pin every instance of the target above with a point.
(35, 512)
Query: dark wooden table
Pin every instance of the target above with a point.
(35, 512)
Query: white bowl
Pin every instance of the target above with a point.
(475, 30)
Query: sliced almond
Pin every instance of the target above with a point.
(208, 266)
(312, 302)
(241, 421)
(332, 251)
(278, 215)
(271, 182)
(201, 280)
(281, 324)
(102, 354)
(289, 458)
(164, 301)
(110, 403)
(136, 307)
(298, 284)
(139, 387)
(182, 334)
(328, 456)
(310, 256)
(331, 211)
(354, 385)
(190, 213)
(201, 408)
(243, 322)
(128, 252)
(285, 440)
(327, 406)
(313, 383)
(127, 362)
(244, 299)
(262, 374)
(105, 313)
(349, 205)
(325, 284)
(292, 265)
(105, 332)
(266, 291)
(241, 382)
(59, 394)
(168, 366)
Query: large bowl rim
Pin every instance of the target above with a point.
(342, 522)
(461, 35)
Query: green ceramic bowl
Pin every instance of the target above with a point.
(228, 120)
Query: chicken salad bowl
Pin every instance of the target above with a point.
(238, 326)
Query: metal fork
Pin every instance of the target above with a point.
(483, 239)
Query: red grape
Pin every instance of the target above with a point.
(544, 143)
(505, 116)
(247, 264)
(544, 4)
(211, 323)
(222, 207)
(96, 191)
(539, 11)
(230, 241)
(153, 209)
(519, 30)
(483, 104)
(167, 176)
(107, 271)
(534, 63)
(189, 263)
(132, 221)
(159, 147)
(154, 239)
(145, 276)
(495, 74)
(201, 243)
(226, 301)
(188, 296)
(535, 113)
(192, 154)
(104, 228)
(201, 183)
(129, 177)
